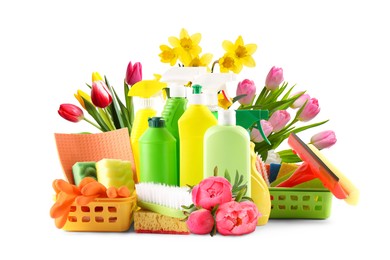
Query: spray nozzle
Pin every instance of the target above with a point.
(246, 119)
(196, 89)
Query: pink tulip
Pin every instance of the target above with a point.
(274, 78)
(255, 133)
(300, 101)
(323, 139)
(212, 191)
(71, 112)
(246, 87)
(279, 119)
(100, 95)
(133, 73)
(200, 222)
(310, 110)
(236, 218)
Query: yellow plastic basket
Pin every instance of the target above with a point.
(102, 215)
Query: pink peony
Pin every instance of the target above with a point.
(212, 191)
(247, 87)
(310, 110)
(255, 133)
(237, 218)
(323, 139)
(279, 119)
(200, 222)
(274, 78)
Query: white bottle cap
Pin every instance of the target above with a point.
(226, 117)
(196, 99)
(177, 90)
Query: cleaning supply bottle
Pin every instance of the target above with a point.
(176, 104)
(145, 90)
(212, 83)
(157, 151)
(247, 118)
(193, 124)
(226, 146)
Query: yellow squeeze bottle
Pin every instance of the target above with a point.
(193, 125)
(144, 89)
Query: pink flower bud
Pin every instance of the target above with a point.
(274, 78)
(133, 73)
(323, 139)
(71, 112)
(255, 133)
(100, 95)
(237, 218)
(300, 101)
(310, 110)
(279, 119)
(200, 222)
(247, 87)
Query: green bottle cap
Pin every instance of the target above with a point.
(196, 89)
(156, 122)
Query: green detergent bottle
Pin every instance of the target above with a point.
(227, 146)
(158, 160)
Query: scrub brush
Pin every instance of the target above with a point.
(163, 199)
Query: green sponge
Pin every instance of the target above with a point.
(83, 169)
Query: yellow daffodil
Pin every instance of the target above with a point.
(202, 61)
(188, 46)
(80, 95)
(168, 55)
(243, 53)
(229, 63)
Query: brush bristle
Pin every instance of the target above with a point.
(260, 166)
(161, 194)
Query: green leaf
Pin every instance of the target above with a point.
(262, 96)
(115, 112)
(238, 98)
(240, 194)
(215, 171)
(91, 109)
(287, 95)
(129, 104)
(227, 175)
(303, 128)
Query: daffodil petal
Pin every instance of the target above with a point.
(184, 34)
(228, 46)
(239, 41)
(251, 48)
(195, 38)
(206, 59)
(248, 61)
(195, 50)
(175, 42)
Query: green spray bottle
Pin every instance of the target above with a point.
(157, 147)
(247, 118)
(176, 104)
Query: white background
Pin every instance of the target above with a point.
(336, 50)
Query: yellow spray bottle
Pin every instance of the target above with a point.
(145, 90)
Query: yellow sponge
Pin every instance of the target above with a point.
(146, 221)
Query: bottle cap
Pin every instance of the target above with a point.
(226, 117)
(196, 98)
(177, 90)
(156, 122)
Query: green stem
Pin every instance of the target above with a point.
(103, 114)
(212, 67)
(92, 123)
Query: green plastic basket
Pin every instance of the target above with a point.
(304, 203)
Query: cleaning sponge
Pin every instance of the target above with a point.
(81, 170)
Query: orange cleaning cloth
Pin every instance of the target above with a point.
(74, 148)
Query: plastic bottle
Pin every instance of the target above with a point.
(157, 148)
(193, 124)
(227, 146)
(144, 90)
(176, 104)
(212, 83)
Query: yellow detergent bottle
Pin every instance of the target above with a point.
(145, 90)
(193, 124)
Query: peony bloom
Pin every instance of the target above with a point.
(279, 119)
(133, 73)
(200, 222)
(274, 78)
(300, 101)
(100, 95)
(246, 87)
(267, 129)
(323, 139)
(310, 110)
(71, 112)
(212, 191)
(236, 218)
